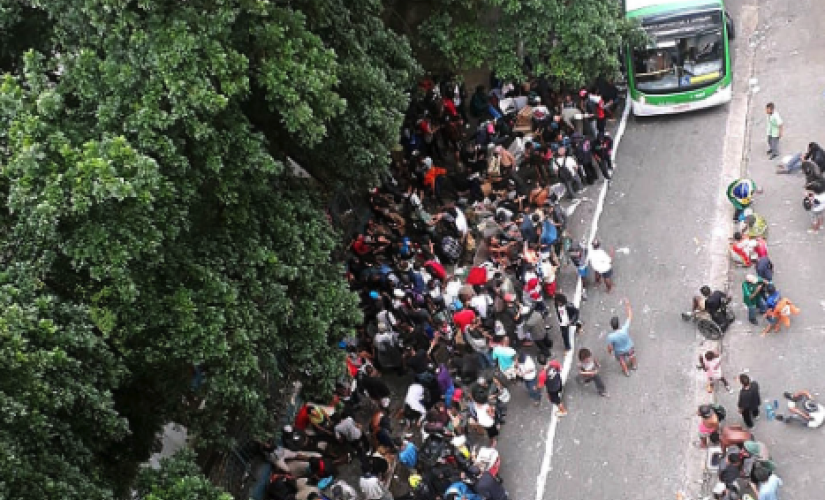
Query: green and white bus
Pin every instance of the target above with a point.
(687, 64)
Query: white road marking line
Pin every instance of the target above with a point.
(541, 480)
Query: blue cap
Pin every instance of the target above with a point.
(374, 294)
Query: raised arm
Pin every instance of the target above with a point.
(628, 309)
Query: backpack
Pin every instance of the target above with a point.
(431, 451)
(762, 470)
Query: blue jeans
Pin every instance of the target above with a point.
(486, 360)
(760, 306)
(532, 390)
(794, 164)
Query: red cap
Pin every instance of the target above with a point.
(555, 364)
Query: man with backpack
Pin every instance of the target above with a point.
(584, 155)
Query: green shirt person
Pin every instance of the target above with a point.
(775, 127)
(753, 297)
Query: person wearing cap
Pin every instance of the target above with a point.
(753, 295)
(708, 425)
(602, 264)
(550, 379)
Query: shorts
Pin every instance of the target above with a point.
(629, 354)
(772, 319)
(815, 216)
(607, 274)
(583, 271)
(492, 431)
(555, 397)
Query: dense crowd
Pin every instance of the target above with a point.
(457, 272)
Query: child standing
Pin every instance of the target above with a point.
(550, 379)
(589, 371)
(711, 363)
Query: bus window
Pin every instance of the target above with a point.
(680, 64)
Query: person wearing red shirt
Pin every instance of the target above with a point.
(463, 318)
(601, 119)
(449, 107)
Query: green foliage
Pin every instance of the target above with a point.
(148, 224)
(178, 478)
(570, 42)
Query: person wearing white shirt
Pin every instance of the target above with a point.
(413, 405)
(372, 488)
(602, 264)
(529, 373)
(480, 303)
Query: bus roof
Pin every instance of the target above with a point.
(635, 8)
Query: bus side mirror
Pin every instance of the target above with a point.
(730, 26)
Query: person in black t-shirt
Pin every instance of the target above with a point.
(715, 304)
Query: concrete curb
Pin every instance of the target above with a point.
(699, 479)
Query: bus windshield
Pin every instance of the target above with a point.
(683, 57)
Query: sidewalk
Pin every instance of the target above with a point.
(790, 71)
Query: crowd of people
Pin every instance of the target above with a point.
(457, 272)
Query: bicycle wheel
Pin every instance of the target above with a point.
(709, 329)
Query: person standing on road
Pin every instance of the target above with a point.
(711, 363)
(568, 316)
(775, 129)
(602, 264)
(753, 297)
(589, 371)
(528, 372)
(619, 343)
(749, 399)
(550, 379)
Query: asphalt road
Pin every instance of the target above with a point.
(662, 206)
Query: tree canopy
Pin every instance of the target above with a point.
(570, 42)
(149, 229)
